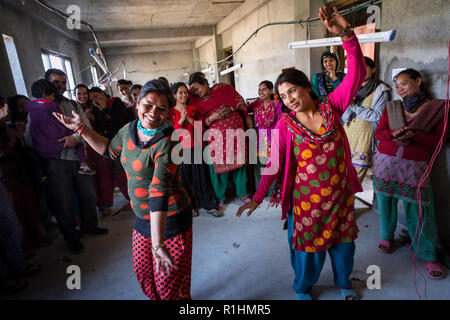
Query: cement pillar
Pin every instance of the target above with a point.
(196, 59)
(301, 56)
(218, 55)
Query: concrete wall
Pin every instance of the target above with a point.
(421, 42)
(147, 66)
(30, 36)
(265, 56)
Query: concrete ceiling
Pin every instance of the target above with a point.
(146, 23)
(142, 14)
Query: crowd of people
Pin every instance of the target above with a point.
(66, 157)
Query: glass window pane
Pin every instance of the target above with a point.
(45, 61)
(70, 77)
(56, 62)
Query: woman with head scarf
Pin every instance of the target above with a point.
(325, 82)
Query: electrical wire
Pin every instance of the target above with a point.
(63, 15)
(301, 22)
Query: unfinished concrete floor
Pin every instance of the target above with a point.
(233, 258)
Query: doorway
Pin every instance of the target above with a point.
(229, 77)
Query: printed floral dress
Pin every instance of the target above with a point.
(323, 205)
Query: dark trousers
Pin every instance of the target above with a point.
(196, 181)
(12, 257)
(63, 180)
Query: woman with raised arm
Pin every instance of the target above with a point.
(316, 179)
(162, 236)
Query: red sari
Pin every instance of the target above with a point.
(222, 95)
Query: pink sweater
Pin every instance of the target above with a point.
(340, 99)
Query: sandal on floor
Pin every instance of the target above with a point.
(14, 287)
(387, 244)
(216, 213)
(195, 213)
(349, 294)
(304, 296)
(433, 267)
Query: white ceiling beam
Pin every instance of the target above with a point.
(106, 37)
(147, 49)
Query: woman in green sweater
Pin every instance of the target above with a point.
(162, 249)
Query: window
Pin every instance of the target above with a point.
(57, 61)
(15, 65)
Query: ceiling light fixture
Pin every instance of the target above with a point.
(386, 36)
(238, 66)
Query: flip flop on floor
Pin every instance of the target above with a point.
(215, 213)
(433, 267)
(349, 293)
(195, 213)
(385, 246)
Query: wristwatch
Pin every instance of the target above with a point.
(158, 246)
(346, 30)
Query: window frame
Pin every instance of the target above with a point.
(70, 90)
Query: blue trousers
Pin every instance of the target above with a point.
(308, 265)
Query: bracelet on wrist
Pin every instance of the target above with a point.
(80, 131)
(158, 246)
(346, 30)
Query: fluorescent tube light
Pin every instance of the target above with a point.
(386, 36)
(98, 60)
(208, 70)
(238, 66)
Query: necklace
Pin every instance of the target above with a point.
(148, 132)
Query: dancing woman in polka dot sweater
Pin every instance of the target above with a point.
(162, 249)
(317, 179)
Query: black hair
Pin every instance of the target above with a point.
(51, 71)
(13, 107)
(123, 81)
(165, 81)
(370, 62)
(296, 77)
(177, 85)
(81, 85)
(196, 74)
(96, 89)
(41, 87)
(157, 86)
(413, 74)
(135, 86)
(198, 79)
(269, 86)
